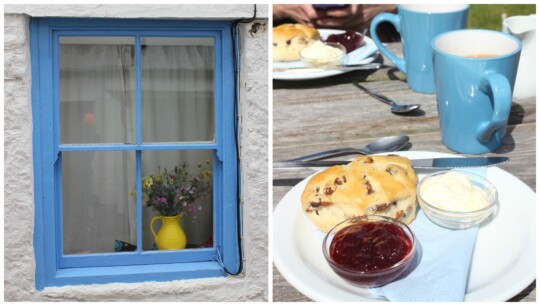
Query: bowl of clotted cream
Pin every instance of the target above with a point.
(323, 55)
(456, 199)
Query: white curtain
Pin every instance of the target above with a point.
(97, 105)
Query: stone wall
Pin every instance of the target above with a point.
(19, 264)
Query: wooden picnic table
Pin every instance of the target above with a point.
(321, 114)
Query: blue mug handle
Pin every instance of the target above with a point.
(393, 19)
(501, 92)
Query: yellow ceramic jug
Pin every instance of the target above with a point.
(171, 236)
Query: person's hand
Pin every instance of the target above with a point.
(300, 13)
(354, 16)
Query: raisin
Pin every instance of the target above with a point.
(392, 171)
(328, 191)
(380, 207)
(338, 181)
(320, 203)
(369, 188)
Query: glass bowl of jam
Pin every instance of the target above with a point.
(370, 251)
(456, 199)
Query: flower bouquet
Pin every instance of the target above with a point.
(175, 192)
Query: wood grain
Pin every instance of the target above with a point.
(323, 114)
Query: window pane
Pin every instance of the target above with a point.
(187, 190)
(97, 90)
(177, 89)
(97, 208)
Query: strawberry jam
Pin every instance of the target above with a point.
(350, 40)
(370, 246)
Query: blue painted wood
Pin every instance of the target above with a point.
(55, 269)
(230, 248)
(38, 238)
(133, 147)
(138, 139)
(139, 209)
(44, 231)
(135, 258)
(143, 273)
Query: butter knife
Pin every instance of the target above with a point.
(427, 163)
(370, 66)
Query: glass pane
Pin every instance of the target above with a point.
(97, 90)
(177, 89)
(97, 208)
(169, 188)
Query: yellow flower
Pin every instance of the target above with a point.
(205, 174)
(147, 182)
(158, 179)
(133, 195)
(199, 165)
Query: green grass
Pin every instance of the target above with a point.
(488, 16)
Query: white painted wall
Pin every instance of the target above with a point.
(19, 262)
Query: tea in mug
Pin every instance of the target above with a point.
(482, 55)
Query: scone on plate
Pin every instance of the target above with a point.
(288, 39)
(369, 185)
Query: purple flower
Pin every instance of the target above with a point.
(191, 209)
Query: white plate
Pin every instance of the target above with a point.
(296, 75)
(503, 263)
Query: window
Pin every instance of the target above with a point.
(114, 101)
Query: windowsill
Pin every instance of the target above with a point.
(193, 11)
(135, 274)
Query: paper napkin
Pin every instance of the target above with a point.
(355, 57)
(442, 272)
(441, 275)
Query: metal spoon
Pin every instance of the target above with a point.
(395, 107)
(385, 144)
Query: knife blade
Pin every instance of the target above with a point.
(339, 67)
(427, 163)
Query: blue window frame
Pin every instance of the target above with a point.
(53, 268)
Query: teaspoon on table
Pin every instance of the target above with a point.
(385, 144)
(394, 107)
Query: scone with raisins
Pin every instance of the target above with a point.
(369, 185)
(288, 39)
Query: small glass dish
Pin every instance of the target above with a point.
(324, 61)
(398, 236)
(460, 219)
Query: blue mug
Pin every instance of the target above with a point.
(417, 25)
(474, 71)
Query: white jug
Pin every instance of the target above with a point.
(524, 28)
